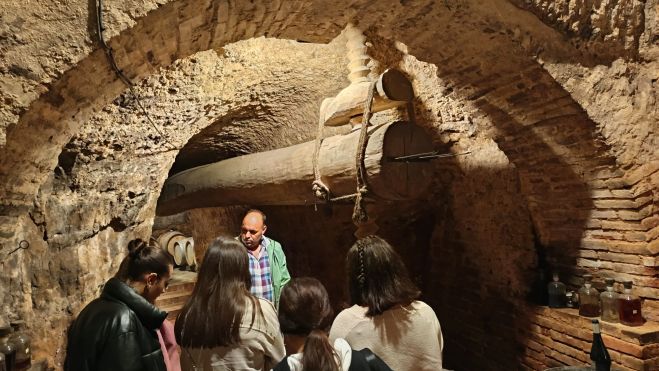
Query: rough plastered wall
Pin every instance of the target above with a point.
(556, 100)
(103, 191)
(544, 179)
(474, 217)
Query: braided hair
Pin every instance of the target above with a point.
(361, 275)
(377, 277)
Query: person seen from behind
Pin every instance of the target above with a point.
(223, 326)
(386, 316)
(305, 315)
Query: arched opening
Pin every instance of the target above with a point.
(82, 166)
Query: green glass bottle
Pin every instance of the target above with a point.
(21, 341)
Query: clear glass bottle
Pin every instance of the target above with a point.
(598, 352)
(629, 307)
(609, 299)
(23, 350)
(589, 298)
(571, 299)
(7, 348)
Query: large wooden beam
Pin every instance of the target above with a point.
(284, 176)
(393, 89)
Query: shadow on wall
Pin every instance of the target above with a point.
(556, 195)
(473, 245)
(469, 247)
(483, 250)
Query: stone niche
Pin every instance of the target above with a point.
(555, 105)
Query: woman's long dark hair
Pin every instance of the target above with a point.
(305, 310)
(144, 258)
(377, 277)
(213, 313)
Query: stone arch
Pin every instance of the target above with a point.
(545, 134)
(180, 28)
(173, 31)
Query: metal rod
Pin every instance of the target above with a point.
(426, 156)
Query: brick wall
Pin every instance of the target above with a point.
(557, 337)
(556, 162)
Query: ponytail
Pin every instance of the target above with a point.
(319, 355)
(144, 258)
(305, 310)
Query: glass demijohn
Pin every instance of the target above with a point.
(556, 290)
(629, 307)
(7, 348)
(609, 299)
(21, 341)
(589, 298)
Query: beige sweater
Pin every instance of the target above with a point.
(406, 338)
(261, 348)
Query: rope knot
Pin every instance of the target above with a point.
(359, 215)
(320, 190)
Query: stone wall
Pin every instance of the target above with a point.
(103, 191)
(557, 105)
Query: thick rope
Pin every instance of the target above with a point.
(320, 189)
(359, 215)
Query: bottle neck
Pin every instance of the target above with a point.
(596, 329)
(609, 288)
(586, 285)
(627, 291)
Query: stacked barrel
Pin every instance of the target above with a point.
(181, 248)
(184, 277)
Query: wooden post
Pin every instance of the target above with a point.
(393, 88)
(284, 176)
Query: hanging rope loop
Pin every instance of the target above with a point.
(319, 189)
(359, 215)
(322, 191)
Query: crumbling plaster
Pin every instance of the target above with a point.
(104, 189)
(519, 86)
(174, 30)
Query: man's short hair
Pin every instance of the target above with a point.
(256, 211)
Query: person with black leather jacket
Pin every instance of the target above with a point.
(117, 331)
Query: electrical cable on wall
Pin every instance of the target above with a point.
(113, 63)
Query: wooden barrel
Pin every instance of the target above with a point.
(190, 255)
(164, 239)
(177, 249)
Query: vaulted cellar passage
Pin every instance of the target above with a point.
(546, 114)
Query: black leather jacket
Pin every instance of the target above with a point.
(116, 332)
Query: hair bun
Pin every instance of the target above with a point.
(135, 247)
